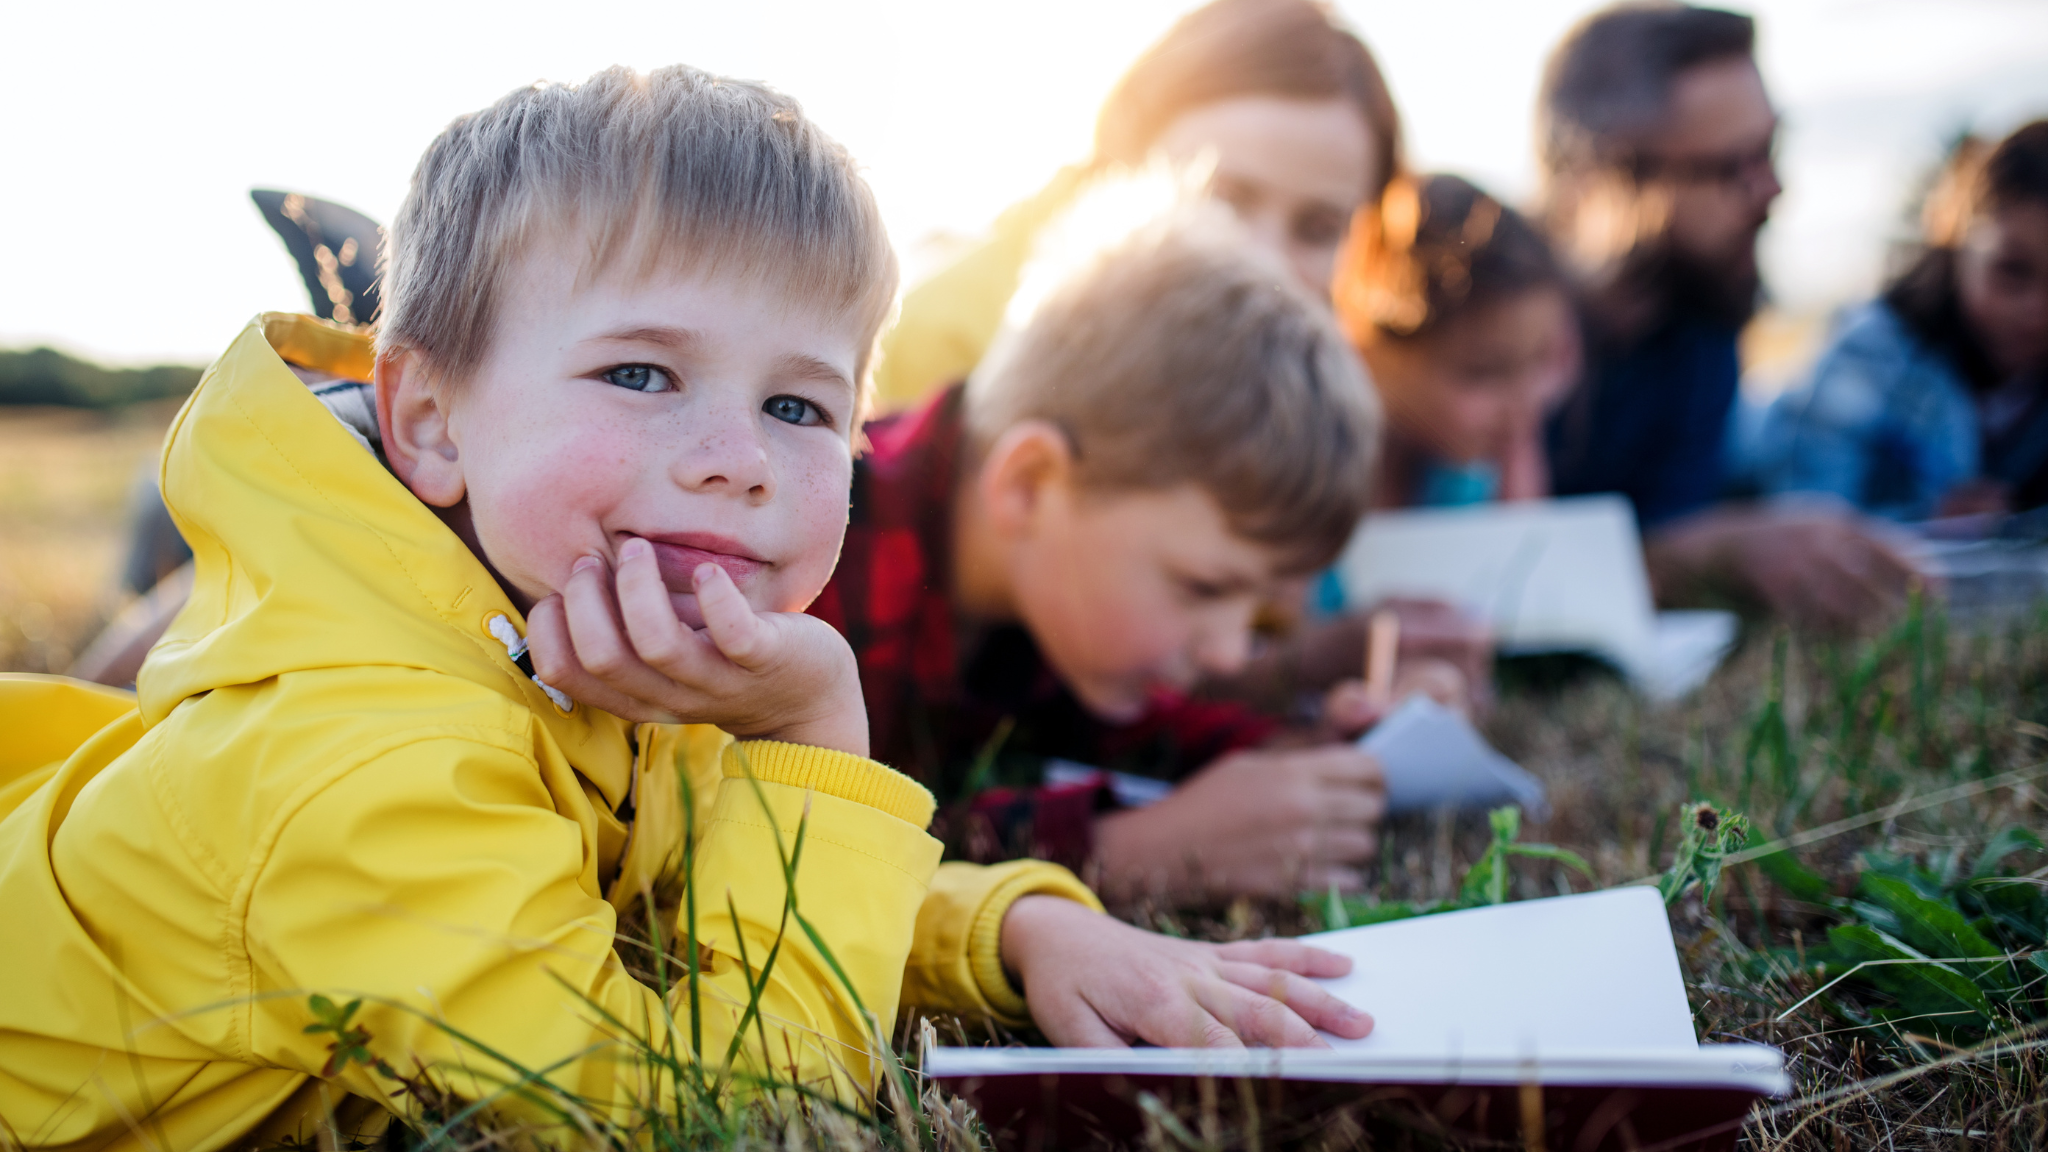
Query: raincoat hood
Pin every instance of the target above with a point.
(309, 554)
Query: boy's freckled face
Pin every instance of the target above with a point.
(1133, 594)
(706, 415)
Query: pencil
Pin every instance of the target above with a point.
(1382, 638)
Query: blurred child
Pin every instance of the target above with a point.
(1464, 318)
(1043, 563)
(1933, 399)
(615, 396)
(1287, 105)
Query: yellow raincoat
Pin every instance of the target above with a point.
(334, 779)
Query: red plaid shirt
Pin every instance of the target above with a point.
(973, 711)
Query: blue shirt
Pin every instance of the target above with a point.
(1887, 423)
(1650, 420)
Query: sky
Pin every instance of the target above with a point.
(136, 130)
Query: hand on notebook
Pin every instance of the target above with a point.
(1095, 982)
(1270, 822)
(758, 675)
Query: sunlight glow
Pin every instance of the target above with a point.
(157, 120)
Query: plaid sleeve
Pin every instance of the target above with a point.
(1049, 822)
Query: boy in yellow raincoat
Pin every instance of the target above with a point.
(616, 389)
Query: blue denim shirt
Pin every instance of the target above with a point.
(1885, 422)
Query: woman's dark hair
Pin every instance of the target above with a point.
(1233, 48)
(1976, 180)
(1438, 246)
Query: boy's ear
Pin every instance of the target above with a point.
(1029, 461)
(413, 415)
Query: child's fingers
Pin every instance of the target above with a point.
(1352, 766)
(1069, 1022)
(1322, 878)
(1350, 707)
(734, 626)
(1349, 808)
(1342, 844)
(660, 639)
(555, 663)
(601, 645)
(1440, 680)
(1253, 1018)
(1310, 1003)
(1186, 1021)
(1287, 955)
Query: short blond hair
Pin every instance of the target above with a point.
(675, 168)
(1183, 354)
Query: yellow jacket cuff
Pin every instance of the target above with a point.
(834, 773)
(985, 940)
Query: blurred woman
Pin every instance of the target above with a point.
(1287, 108)
(1463, 315)
(1933, 399)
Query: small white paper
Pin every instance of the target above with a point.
(1434, 758)
(1566, 975)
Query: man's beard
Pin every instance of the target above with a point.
(1726, 291)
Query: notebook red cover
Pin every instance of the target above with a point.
(1052, 1098)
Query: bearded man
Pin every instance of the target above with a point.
(1657, 140)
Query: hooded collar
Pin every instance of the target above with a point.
(310, 555)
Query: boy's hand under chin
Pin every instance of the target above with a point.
(1093, 982)
(619, 646)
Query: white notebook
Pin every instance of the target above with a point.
(1549, 575)
(1579, 989)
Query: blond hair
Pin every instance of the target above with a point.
(1183, 354)
(675, 169)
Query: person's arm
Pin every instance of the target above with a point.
(436, 881)
(46, 719)
(1822, 567)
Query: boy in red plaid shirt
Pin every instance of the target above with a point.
(1042, 562)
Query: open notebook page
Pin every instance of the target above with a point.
(1549, 575)
(1593, 973)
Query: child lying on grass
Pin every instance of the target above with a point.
(1465, 318)
(627, 331)
(1043, 563)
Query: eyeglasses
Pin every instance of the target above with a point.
(1728, 169)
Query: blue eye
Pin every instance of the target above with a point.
(639, 378)
(793, 410)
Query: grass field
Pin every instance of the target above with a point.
(65, 478)
(1884, 769)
